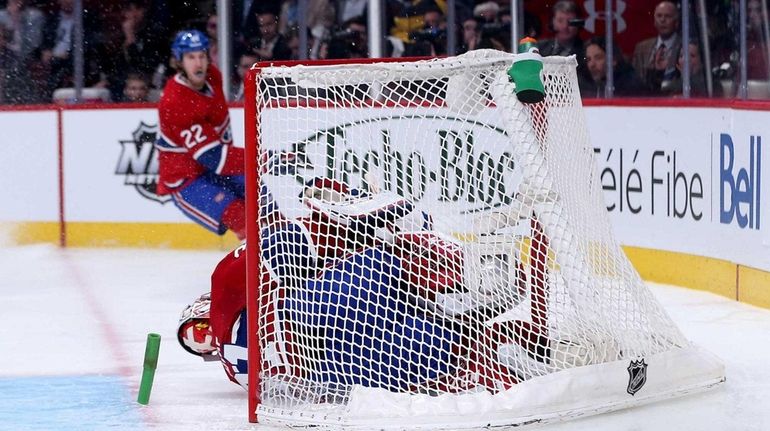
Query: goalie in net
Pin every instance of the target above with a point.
(371, 311)
(364, 292)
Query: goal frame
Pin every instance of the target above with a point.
(704, 372)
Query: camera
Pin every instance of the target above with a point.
(428, 34)
(346, 43)
(428, 41)
(723, 71)
(494, 30)
(345, 34)
(577, 22)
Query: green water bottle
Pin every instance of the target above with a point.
(525, 72)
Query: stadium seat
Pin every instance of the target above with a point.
(66, 96)
(758, 89)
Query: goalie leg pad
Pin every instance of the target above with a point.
(369, 336)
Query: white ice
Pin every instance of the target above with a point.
(78, 314)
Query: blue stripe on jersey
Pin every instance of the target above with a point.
(162, 143)
(65, 402)
(211, 158)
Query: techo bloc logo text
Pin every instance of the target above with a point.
(441, 161)
(740, 186)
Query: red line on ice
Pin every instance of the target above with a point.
(110, 336)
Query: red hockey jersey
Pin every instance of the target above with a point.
(195, 135)
(228, 294)
(228, 301)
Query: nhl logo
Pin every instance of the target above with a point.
(637, 376)
(138, 162)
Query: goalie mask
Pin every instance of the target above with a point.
(194, 331)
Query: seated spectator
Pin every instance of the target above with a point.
(566, 40)
(488, 15)
(698, 87)
(56, 50)
(655, 58)
(349, 42)
(292, 42)
(9, 63)
(472, 37)
(211, 32)
(136, 89)
(532, 25)
(431, 40)
(320, 15)
(625, 81)
(405, 17)
(142, 49)
(487, 12)
(244, 64)
(270, 44)
(434, 19)
(350, 9)
(757, 64)
(26, 26)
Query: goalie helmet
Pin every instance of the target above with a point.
(194, 331)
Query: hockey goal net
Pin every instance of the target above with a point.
(427, 251)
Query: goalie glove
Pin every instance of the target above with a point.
(461, 278)
(431, 264)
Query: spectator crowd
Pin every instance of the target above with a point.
(126, 43)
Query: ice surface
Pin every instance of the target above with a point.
(74, 323)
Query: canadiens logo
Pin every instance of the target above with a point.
(138, 162)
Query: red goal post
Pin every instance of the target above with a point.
(456, 267)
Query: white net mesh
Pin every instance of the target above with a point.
(429, 237)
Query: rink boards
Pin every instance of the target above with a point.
(686, 187)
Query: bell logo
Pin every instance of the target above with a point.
(739, 187)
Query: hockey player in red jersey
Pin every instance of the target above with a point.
(423, 326)
(199, 165)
